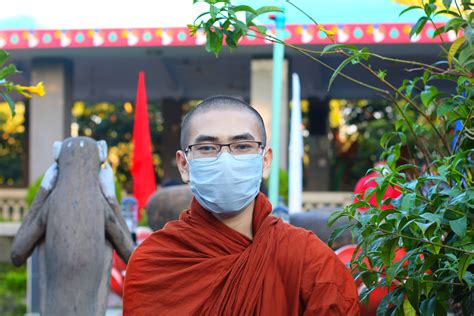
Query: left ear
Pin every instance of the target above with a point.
(267, 162)
(102, 146)
(182, 164)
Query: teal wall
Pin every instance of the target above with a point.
(340, 11)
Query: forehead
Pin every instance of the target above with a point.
(223, 124)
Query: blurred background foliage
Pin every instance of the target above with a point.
(12, 290)
(113, 122)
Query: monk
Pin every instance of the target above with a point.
(226, 255)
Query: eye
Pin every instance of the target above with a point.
(206, 148)
(245, 147)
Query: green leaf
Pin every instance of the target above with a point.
(443, 108)
(388, 251)
(209, 40)
(432, 217)
(335, 216)
(262, 29)
(245, 8)
(447, 3)
(413, 7)
(7, 70)
(379, 193)
(229, 39)
(369, 278)
(385, 303)
(339, 69)
(394, 269)
(242, 26)
(464, 263)
(446, 12)
(408, 309)
(10, 102)
(213, 11)
(336, 233)
(423, 226)
(454, 48)
(249, 16)
(405, 167)
(429, 8)
(237, 34)
(399, 123)
(218, 42)
(465, 54)
(381, 74)
(418, 26)
(3, 56)
(428, 261)
(408, 201)
(330, 47)
(459, 226)
(468, 277)
(268, 9)
(427, 307)
(428, 95)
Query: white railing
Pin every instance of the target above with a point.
(12, 204)
(315, 200)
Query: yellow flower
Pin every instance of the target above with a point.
(328, 33)
(26, 91)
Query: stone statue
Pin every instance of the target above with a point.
(76, 223)
(166, 204)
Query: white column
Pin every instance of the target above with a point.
(50, 115)
(261, 100)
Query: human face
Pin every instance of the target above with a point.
(222, 127)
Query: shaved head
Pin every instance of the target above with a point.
(220, 104)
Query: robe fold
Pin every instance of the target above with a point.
(199, 266)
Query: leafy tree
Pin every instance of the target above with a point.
(6, 86)
(431, 223)
(113, 123)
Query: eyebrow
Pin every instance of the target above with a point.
(214, 139)
(205, 138)
(245, 136)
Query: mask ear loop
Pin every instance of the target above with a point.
(186, 158)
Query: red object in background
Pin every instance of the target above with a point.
(143, 173)
(345, 255)
(365, 183)
(116, 282)
(119, 267)
(118, 274)
(375, 298)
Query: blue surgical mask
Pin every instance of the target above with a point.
(226, 184)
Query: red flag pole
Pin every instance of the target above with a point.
(143, 174)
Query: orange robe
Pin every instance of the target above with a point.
(199, 266)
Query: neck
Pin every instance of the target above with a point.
(241, 221)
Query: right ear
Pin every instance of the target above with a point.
(183, 165)
(57, 150)
(102, 145)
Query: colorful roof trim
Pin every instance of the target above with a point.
(394, 33)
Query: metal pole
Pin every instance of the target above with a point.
(278, 55)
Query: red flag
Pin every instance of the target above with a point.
(143, 174)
